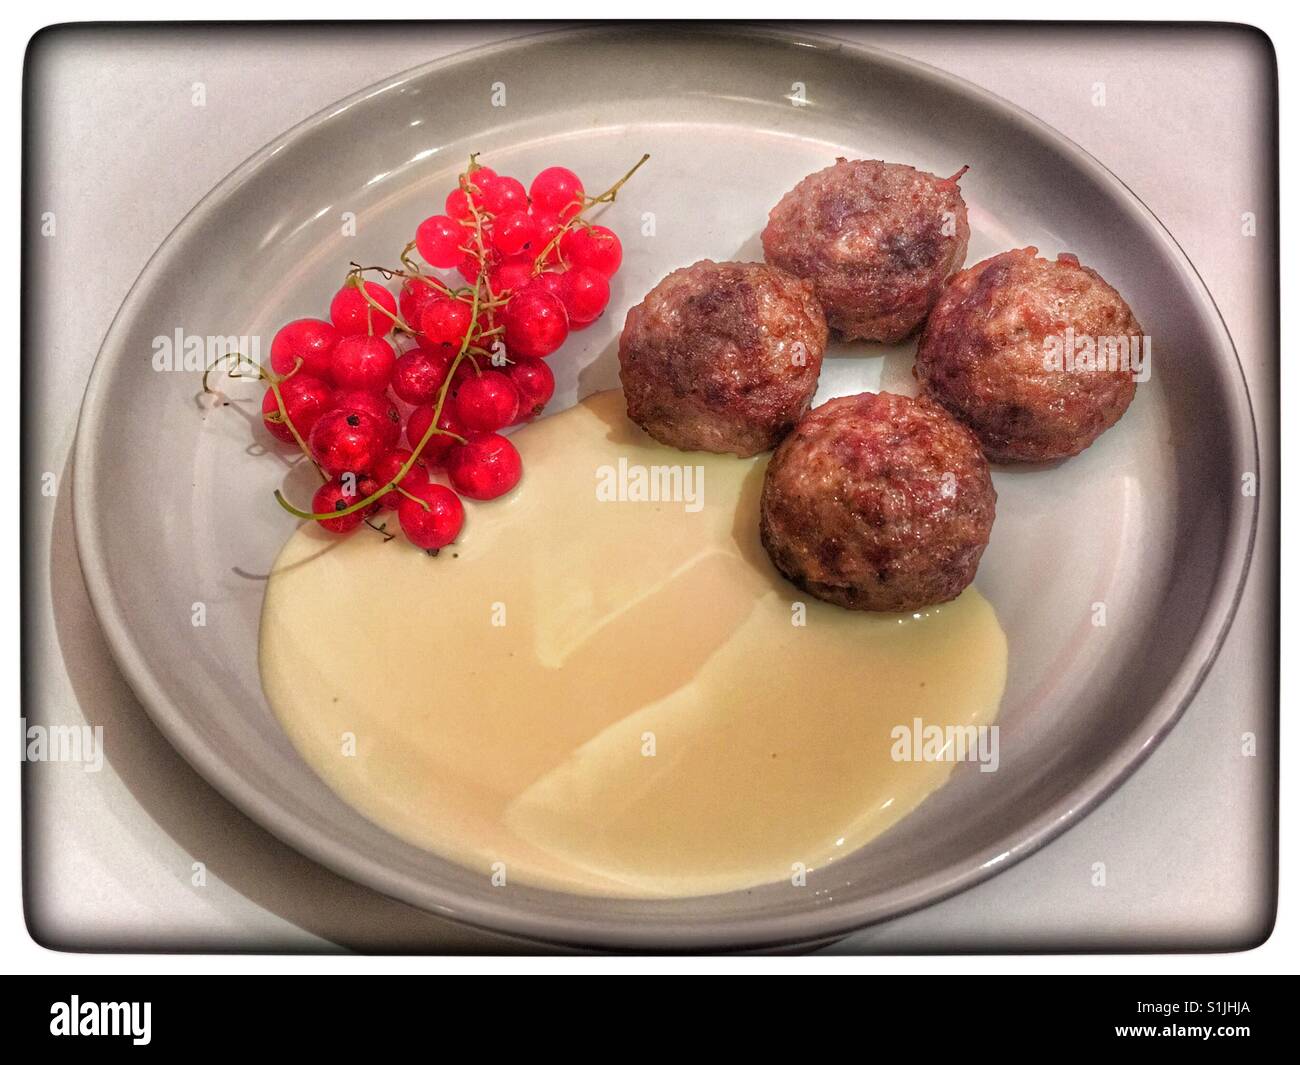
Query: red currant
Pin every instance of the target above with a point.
(445, 321)
(535, 383)
(585, 294)
(417, 424)
(551, 281)
(439, 240)
(548, 228)
(485, 467)
(366, 487)
(346, 442)
(353, 316)
(378, 407)
(363, 363)
(470, 266)
(434, 518)
(306, 398)
(457, 206)
(535, 323)
(476, 184)
(414, 297)
(502, 194)
(516, 233)
(419, 374)
(333, 495)
(308, 339)
(487, 402)
(510, 276)
(595, 246)
(458, 203)
(467, 369)
(556, 190)
(387, 467)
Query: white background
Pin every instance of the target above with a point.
(22, 955)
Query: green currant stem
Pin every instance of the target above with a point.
(423, 502)
(608, 196)
(359, 283)
(611, 193)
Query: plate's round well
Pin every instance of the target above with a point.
(1115, 574)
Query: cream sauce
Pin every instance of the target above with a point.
(612, 697)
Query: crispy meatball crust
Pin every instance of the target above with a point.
(982, 355)
(878, 502)
(877, 239)
(722, 357)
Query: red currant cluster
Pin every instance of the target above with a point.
(448, 365)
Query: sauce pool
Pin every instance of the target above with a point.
(607, 694)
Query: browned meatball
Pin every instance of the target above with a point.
(722, 357)
(993, 354)
(878, 239)
(878, 502)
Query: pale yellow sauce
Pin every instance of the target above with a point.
(648, 720)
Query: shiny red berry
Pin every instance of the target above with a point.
(595, 246)
(485, 467)
(516, 233)
(557, 190)
(435, 451)
(502, 195)
(467, 369)
(306, 398)
(548, 228)
(363, 363)
(474, 186)
(334, 495)
(511, 275)
(308, 339)
(487, 402)
(387, 467)
(346, 442)
(439, 239)
(445, 321)
(378, 407)
(535, 383)
(551, 281)
(419, 374)
(433, 519)
(414, 297)
(470, 266)
(366, 487)
(535, 323)
(457, 205)
(585, 294)
(353, 316)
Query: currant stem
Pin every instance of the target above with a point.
(275, 382)
(423, 503)
(608, 196)
(357, 281)
(611, 193)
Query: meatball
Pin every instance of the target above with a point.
(877, 239)
(993, 353)
(878, 502)
(722, 357)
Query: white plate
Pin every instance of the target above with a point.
(173, 506)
